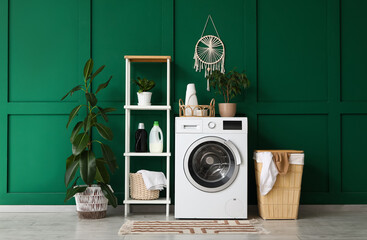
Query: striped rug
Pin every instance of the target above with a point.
(190, 227)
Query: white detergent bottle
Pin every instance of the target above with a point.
(156, 139)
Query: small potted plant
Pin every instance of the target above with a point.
(93, 197)
(229, 85)
(144, 96)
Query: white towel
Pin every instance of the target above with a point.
(269, 172)
(153, 180)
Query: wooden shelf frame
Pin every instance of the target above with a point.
(147, 59)
(128, 108)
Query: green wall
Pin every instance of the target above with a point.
(305, 60)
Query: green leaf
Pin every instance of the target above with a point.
(104, 131)
(91, 98)
(88, 167)
(101, 111)
(144, 84)
(73, 113)
(98, 176)
(106, 110)
(97, 72)
(102, 171)
(107, 192)
(69, 160)
(70, 172)
(101, 160)
(76, 130)
(72, 191)
(87, 123)
(88, 67)
(103, 85)
(79, 143)
(109, 157)
(77, 88)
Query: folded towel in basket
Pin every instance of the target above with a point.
(153, 180)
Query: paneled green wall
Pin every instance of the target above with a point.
(305, 59)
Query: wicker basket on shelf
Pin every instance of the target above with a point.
(197, 110)
(138, 189)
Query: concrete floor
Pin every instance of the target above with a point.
(315, 222)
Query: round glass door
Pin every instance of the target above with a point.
(210, 164)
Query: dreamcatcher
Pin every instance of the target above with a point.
(209, 53)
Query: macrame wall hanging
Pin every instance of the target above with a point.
(209, 53)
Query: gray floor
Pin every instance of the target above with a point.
(315, 222)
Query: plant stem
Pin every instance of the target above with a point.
(227, 94)
(97, 141)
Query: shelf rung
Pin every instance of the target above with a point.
(146, 154)
(161, 200)
(153, 107)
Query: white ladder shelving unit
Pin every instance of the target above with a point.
(128, 108)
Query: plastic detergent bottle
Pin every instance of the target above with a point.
(141, 139)
(156, 139)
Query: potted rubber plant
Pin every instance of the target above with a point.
(144, 96)
(229, 85)
(93, 197)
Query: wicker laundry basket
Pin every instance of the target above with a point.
(282, 202)
(138, 189)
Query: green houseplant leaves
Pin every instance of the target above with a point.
(228, 84)
(92, 170)
(144, 84)
(88, 167)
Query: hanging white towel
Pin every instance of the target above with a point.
(153, 180)
(269, 172)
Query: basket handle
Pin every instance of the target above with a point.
(212, 108)
(212, 102)
(181, 109)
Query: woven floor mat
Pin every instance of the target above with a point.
(191, 227)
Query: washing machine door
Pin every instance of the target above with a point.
(211, 164)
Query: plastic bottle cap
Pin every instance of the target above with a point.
(141, 126)
(156, 123)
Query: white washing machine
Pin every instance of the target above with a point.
(211, 167)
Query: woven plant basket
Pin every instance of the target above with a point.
(282, 201)
(197, 110)
(138, 189)
(91, 203)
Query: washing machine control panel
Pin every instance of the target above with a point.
(224, 125)
(197, 125)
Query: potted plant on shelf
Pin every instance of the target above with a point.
(229, 85)
(93, 197)
(144, 96)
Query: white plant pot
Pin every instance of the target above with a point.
(91, 203)
(144, 98)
